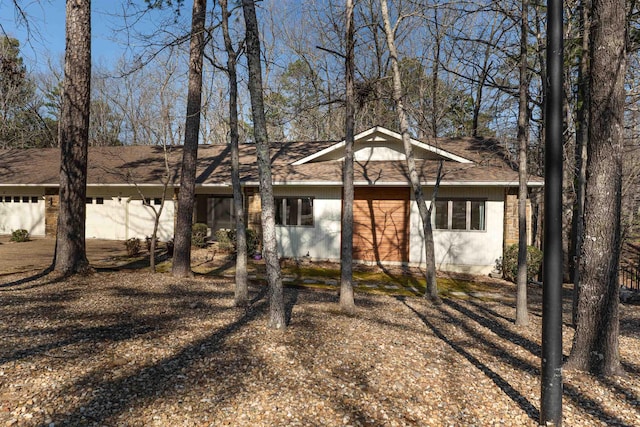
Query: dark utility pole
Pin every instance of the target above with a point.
(551, 393)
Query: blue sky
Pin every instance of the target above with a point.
(45, 40)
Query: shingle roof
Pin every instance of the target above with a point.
(145, 165)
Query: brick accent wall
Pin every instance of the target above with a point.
(254, 209)
(51, 210)
(511, 227)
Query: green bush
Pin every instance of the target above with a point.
(199, 235)
(252, 242)
(227, 240)
(20, 235)
(133, 246)
(510, 263)
(223, 237)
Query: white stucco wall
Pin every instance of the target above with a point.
(322, 241)
(22, 215)
(464, 251)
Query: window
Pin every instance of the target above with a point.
(442, 214)
(157, 201)
(460, 214)
(34, 199)
(294, 211)
(477, 215)
(16, 199)
(25, 199)
(7, 199)
(99, 200)
(220, 214)
(89, 200)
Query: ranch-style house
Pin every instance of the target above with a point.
(474, 217)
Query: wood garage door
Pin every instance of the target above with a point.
(381, 224)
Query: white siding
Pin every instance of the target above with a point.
(466, 251)
(373, 153)
(322, 241)
(22, 215)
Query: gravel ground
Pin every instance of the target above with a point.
(135, 349)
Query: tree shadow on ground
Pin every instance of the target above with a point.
(15, 284)
(495, 327)
(219, 270)
(588, 404)
(291, 295)
(136, 264)
(73, 333)
(162, 379)
(513, 394)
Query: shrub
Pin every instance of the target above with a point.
(133, 246)
(199, 235)
(510, 263)
(227, 240)
(252, 242)
(20, 235)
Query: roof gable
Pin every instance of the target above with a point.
(381, 144)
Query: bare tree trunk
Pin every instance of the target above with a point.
(270, 249)
(425, 213)
(346, 265)
(157, 213)
(522, 314)
(595, 344)
(241, 291)
(434, 76)
(186, 196)
(582, 128)
(70, 254)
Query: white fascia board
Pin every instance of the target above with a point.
(319, 153)
(439, 151)
(6, 184)
(424, 146)
(342, 143)
(419, 144)
(225, 185)
(298, 183)
(399, 183)
(483, 184)
(313, 183)
(389, 133)
(126, 184)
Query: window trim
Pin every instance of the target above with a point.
(282, 200)
(468, 213)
